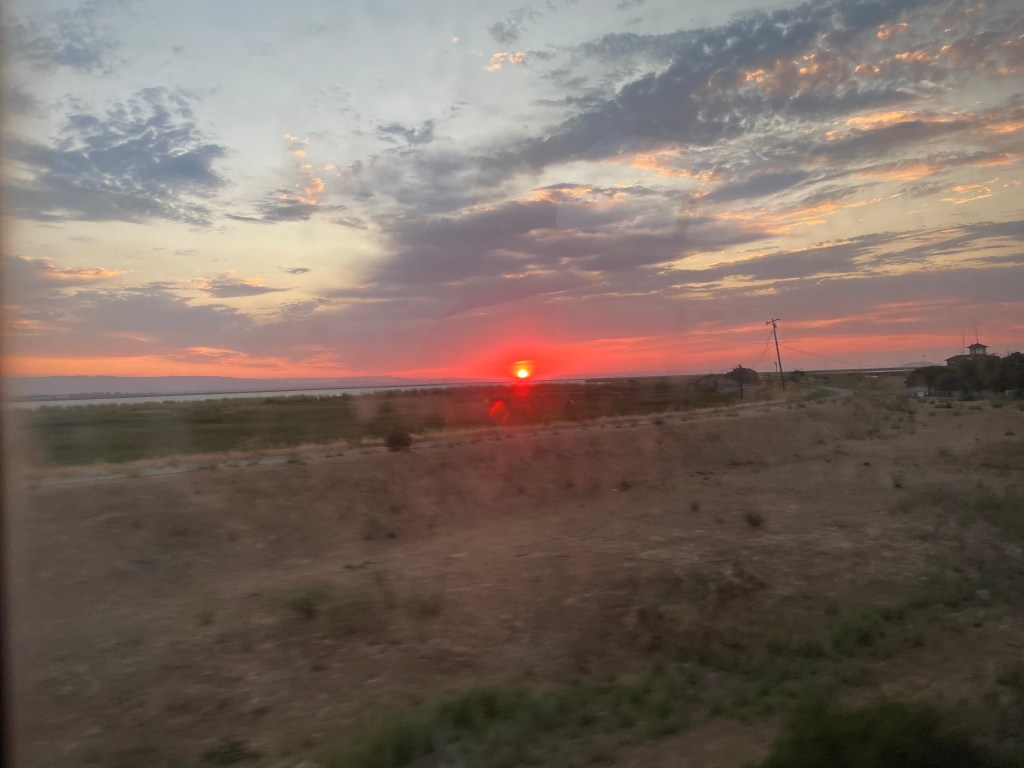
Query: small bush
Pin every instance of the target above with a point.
(398, 440)
(754, 519)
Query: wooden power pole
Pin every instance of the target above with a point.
(778, 357)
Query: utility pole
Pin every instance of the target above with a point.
(739, 370)
(778, 357)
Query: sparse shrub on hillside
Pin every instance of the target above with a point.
(754, 519)
(343, 609)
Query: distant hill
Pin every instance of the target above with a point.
(38, 387)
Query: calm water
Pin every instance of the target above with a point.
(31, 404)
(225, 396)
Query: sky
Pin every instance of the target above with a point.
(338, 188)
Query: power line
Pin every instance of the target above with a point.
(764, 350)
(812, 354)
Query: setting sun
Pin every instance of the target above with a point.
(522, 369)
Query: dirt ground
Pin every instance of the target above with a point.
(155, 617)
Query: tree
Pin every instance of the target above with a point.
(975, 374)
(741, 374)
(926, 376)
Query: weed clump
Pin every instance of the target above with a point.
(754, 519)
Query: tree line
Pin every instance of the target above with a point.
(975, 374)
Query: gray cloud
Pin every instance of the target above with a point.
(349, 221)
(79, 38)
(765, 84)
(27, 276)
(757, 186)
(280, 207)
(143, 158)
(511, 27)
(145, 320)
(703, 96)
(519, 249)
(224, 287)
(18, 101)
(295, 270)
(300, 308)
(410, 134)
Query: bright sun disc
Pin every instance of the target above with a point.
(522, 373)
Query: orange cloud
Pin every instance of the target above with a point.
(889, 31)
(782, 222)
(912, 169)
(973, 192)
(820, 69)
(195, 361)
(880, 119)
(500, 59)
(665, 162)
(603, 196)
(1005, 126)
(311, 192)
(220, 353)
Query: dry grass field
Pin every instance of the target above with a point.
(645, 591)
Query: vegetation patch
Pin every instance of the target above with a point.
(884, 735)
(1002, 509)
(130, 431)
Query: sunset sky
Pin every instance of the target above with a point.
(335, 188)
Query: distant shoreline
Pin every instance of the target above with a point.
(111, 398)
